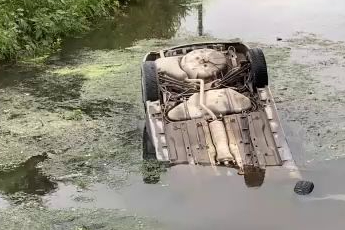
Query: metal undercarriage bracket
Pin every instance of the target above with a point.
(251, 139)
(156, 125)
(249, 136)
(262, 139)
(266, 98)
(186, 142)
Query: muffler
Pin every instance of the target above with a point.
(221, 142)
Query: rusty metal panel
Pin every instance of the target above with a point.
(210, 148)
(278, 133)
(186, 142)
(262, 140)
(175, 142)
(235, 139)
(197, 140)
(273, 156)
(250, 134)
(242, 122)
(250, 158)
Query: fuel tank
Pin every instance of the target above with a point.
(220, 101)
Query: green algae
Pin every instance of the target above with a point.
(30, 217)
(89, 70)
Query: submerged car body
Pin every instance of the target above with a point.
(210, 104)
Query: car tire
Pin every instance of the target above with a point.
(258, 68)
(304, 187)
(149, 81)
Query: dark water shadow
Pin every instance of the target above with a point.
(55, 88)
(254, 176)
(152, 171)
(104, 108)
(34, 81)
(26, 178)
(13, 75)
(139, 20)
(97, 108)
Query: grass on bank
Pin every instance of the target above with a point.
(29, 28)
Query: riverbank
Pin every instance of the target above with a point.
(30, 28)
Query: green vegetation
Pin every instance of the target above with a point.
(31, 27)
(34, 28)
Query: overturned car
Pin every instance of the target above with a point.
(210, 104)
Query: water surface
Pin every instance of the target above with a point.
(265, 20)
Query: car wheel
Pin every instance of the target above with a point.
(304, 187)
(149, 81)
(258, 68)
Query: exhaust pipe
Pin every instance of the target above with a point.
(202, 91)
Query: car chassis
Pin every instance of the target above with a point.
(210, 104)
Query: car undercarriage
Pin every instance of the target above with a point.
(210, 104)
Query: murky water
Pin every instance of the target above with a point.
(253, 20)
(26, 178)
(250, 20)
(196, 198)
(141, 20)
(82, 109)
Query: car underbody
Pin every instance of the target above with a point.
(210, 104)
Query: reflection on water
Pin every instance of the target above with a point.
(249, 20)
(141, 20)
(254, 176)
(200, 20)
(265, 20)
(13, 76)
(26, 178)
(200, 198)
(152, 171)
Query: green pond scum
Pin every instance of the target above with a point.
(30, 217)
